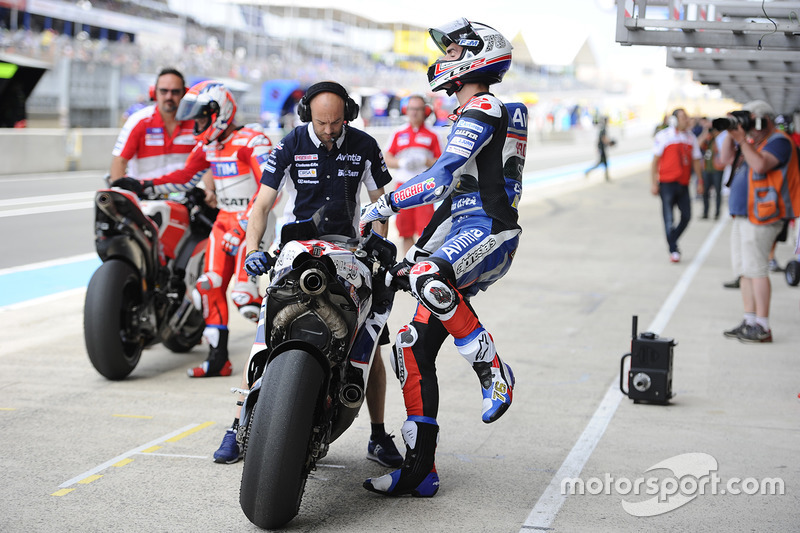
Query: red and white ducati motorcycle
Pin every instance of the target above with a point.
(152, 253)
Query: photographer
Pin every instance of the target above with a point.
(765, 191)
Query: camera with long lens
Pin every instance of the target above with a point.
(733, 121)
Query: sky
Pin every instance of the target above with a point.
(554, 30)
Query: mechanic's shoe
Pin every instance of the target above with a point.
(755, 334)
(205, 370)
(774, 266)
(733, 333)
(732, 284)
(383, 451)
(497, 384)
(675, 257)
(417, 476)
(229, 451)
(388, 485)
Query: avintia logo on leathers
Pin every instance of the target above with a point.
(691, 475)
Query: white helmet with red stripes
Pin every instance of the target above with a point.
(485, 58)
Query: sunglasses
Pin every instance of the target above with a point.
(175, 92)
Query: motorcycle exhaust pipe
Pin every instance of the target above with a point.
(313, 281)
(103, 198)
(351, 396)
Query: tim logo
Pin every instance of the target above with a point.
(227, 168)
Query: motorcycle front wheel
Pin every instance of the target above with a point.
(274, 473)
(108, 316)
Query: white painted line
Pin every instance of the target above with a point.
(46, 209)
(48, 198)
(52, 262)
(112, 462)
(544, 512)
(43, 299)
(177, 455)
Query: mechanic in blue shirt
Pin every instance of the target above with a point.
(323, 161)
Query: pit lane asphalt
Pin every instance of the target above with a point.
(81, 453)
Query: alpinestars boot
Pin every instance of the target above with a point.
(217, 363)
(418, 475)
(496, 377)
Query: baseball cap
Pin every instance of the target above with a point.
(759, 108)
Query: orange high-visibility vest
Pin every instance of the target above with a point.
(775, 195)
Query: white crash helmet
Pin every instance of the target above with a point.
(486, 56)
(211, 99)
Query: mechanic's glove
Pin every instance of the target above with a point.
(257, 263)
(143, 189)
(231, 241)
(380, 210)
(397, 276)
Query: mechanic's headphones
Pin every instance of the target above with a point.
(404, 107)
(304, 105)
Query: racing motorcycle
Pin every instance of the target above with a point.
(152, 252)
(318, 328)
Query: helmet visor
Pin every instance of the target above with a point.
(191, 107)
(458, 31)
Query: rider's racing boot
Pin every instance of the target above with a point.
(418, 475)
(495, 376)
(217, 363)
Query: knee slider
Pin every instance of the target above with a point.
(208, 281)
(431, 283)
(245, 297)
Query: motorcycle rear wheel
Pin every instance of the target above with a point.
(113, 291)
(274, 473)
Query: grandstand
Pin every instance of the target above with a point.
(104, 54)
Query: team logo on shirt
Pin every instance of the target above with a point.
(154, 137)
(307, 173)
(306, 157)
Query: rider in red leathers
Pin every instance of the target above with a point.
(235, 155)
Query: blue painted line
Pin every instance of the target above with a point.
(20, 285)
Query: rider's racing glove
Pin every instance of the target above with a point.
(234, 237)
(257, 263)
(231, 241)
(397, 276)
(142, 188)
(380, 210)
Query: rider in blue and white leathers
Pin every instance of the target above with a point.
(468, 245)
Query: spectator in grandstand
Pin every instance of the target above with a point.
(413, 149)
(152, 141)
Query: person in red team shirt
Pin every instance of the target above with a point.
(413, 149)
(153, 142)
(236, 156)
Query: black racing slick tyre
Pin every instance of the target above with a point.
(274, 473)
(792, 273)
(108, 315)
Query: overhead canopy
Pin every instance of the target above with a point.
(20, 70)
(748, 49)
